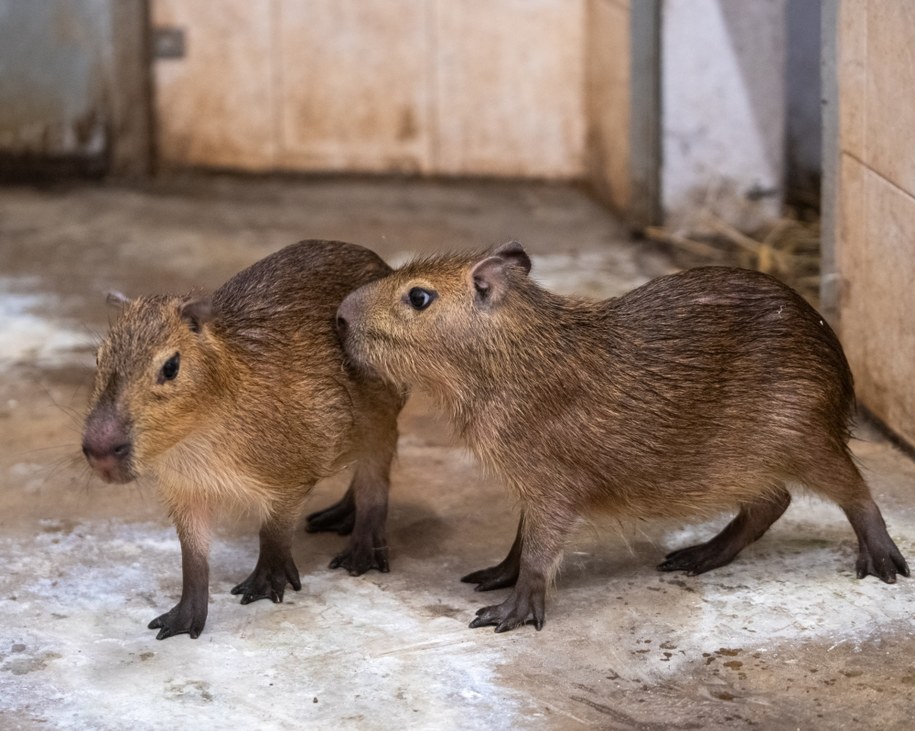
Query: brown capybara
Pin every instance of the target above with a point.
(710, 389)
(244, 398)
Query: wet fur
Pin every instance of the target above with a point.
(698, 392)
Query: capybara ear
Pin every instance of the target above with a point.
(117, 299)
(514, 254)
(490, 282)
(197, 313)
(490, 276)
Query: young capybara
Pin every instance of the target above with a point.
(710, 389)
(244, 398)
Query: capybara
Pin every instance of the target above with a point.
(244, 398)
(707, 390)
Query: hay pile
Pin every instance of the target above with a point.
(788, 248)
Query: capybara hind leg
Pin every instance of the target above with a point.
(368, 546)
(841, 481)
(338, 518)
(502, 574)
(751, 522)
(275, 566)
(877, 554)
(542, 539)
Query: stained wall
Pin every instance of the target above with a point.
(430, 86)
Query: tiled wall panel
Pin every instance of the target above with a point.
(875, 232)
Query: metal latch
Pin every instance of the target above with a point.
(168, 42)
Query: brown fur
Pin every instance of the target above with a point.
(707, 390)
(262, 407)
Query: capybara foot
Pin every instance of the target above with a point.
(268, 581)
(338, 518)
(877, 554)
(183, 618)
(696, 560)
(362, 555)
(882, 561)
(520, 608)
(495, 577)
(503, 574)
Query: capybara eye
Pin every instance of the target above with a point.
(420, 298)
(170, 369)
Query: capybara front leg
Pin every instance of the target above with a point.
(189, 615)
(542, 539)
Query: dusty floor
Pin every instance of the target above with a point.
(785, 637)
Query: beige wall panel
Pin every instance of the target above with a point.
(468, 88)
(607, 100)
(510, 87)
(876, 301)
(215, 107)
(852, 72)
(890, 116)
(354, 84)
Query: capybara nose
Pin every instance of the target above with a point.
(344, 314)
(108, 461)
(342, 324)
(107, 444)
(106, 455)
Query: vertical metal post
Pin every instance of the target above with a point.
(132, 151)
(645, 109)
(829, 189)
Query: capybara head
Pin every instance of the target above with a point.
(430, 321)
(154, 378)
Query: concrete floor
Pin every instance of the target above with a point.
(785, 637)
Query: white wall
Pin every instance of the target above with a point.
(723, 106)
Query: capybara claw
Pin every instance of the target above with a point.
(494, 577)
(338, 518)
(357, 560)
(269, 582)
(513, 612)
(695, 560)
(885, 565)
(252, 596)
(179, 620)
